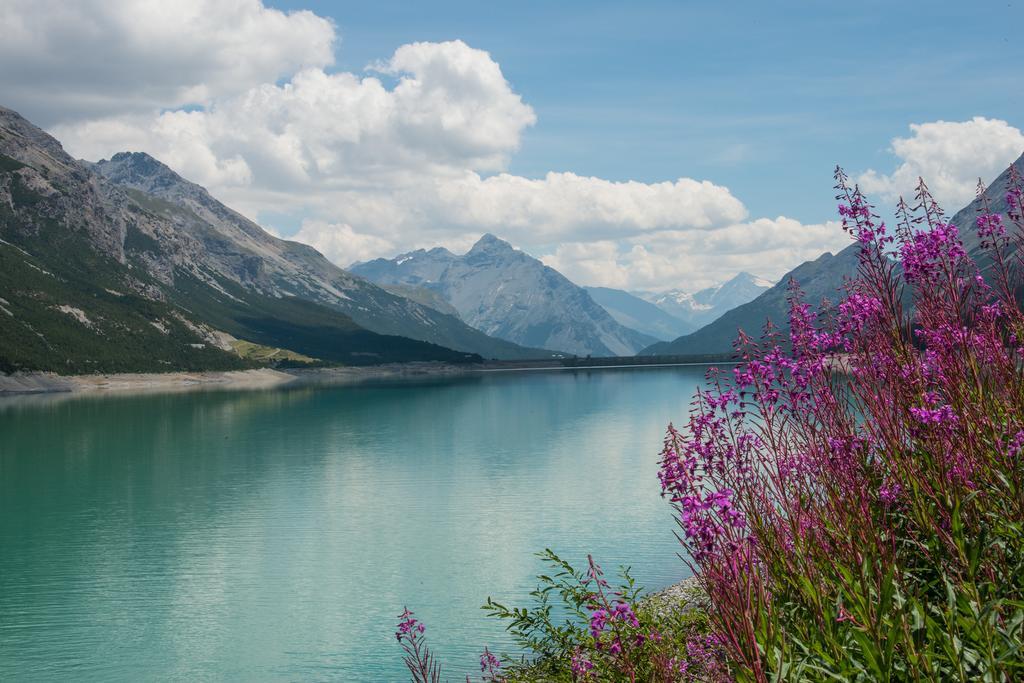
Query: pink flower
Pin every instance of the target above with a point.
(581, 666)
(409, 626)
(598, 622)
(489, 663)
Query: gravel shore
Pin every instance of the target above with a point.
(49, 383)
(683, 596)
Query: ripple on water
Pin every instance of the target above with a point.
(275, 535)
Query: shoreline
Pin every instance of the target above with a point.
(48, 383)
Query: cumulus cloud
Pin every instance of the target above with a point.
(451, 110)
(340, 242)
(62, 61)
(454, 102)
(564, 203)
(693, 260)
(405, 163)
(950, 156)
(601, 263)
(410, 153)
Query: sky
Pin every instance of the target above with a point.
(643, 145)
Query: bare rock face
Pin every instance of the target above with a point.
(509, 294)
(58, 188)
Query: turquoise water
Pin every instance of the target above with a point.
(275, 535)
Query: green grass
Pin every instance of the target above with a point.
(158, 206)
(267, 354)
(302, 326)
(22, 195)
(136, 240)
(45, 266)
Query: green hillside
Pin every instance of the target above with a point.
(68, 306)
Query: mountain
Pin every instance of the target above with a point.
(739, 290)
(422, 295)
(819, 279)
(124, 265)
(295, 269)
(639, 314)
(995, 197)
(511, 295)
(704, 306)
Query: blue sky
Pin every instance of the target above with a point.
(643, 145)
(763, 97)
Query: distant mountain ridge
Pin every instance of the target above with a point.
(124, 265)
(704, 306)
(511, 295)
(639, 314)
(819, 279)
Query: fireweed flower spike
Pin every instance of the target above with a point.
(581, 666)
(422, 666)
(889, 492)
(490, 666)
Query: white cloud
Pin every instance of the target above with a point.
(950, 156)
(691, 260)
(453, 102)
(412, 153)
(402, 163)
(451, 110)
(563, 204)
(340, 242)
(61, 61)
(600, 264)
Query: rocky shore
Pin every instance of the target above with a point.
(264, 378)
(683, 596)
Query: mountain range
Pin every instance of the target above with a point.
(819, 279)
(511, 295)
(124, 265)
(700, 308)
(639, 314)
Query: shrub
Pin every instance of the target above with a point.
(582, 629)
(593, 632)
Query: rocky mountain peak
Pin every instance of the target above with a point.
(141, 171)
(755, 280)
(700, 308)
(139, 162)
(740, 285)
(509, 294)
(491, 244)
(21, 140)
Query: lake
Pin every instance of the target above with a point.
(276, 535)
